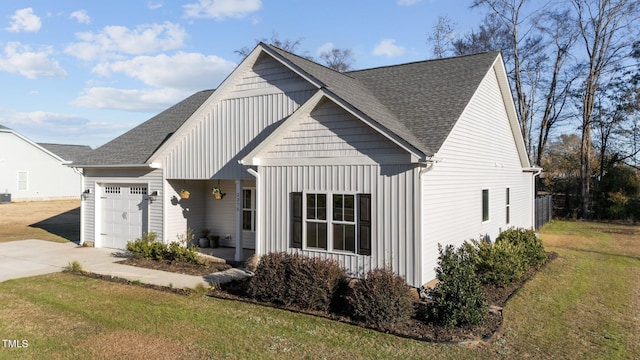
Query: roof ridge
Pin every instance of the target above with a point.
(424, 61)
(306, 59)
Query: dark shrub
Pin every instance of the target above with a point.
(382, 299)
(532, 250)
(457, 299)
(295, 280)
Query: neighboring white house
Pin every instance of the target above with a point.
(30, 171)
(372, 168)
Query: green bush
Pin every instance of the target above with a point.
(148, 248)
(294, 280)
(531, 246)
(382, 299)
(458, 298)
(501, 263)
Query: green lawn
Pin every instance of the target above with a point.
(583, 305)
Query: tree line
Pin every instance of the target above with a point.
(573, 68)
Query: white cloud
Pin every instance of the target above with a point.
(189, 71)
(145, 100)
(154, 6)
(387, 47)
(18, 58)
(81, 16)
(25, 20)
(220, 9)
(324, 48)
(115, 41)
(408, 2)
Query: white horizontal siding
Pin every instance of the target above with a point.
(394, 211)
(95, 178)
(330, 131)
(480, 153)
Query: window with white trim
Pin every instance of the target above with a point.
(508, 205)
(331, 222)
(23, 180)
(249, 209)
(485, 205)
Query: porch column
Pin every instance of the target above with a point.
(238, 256)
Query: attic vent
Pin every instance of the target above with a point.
(138, 191)
(112, 189)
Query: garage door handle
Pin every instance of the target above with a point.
(103, 234)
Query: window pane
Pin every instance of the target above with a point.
(321, 203)
(312, 235)
(350, 238)
(311, 206)
(247, 223)
(485, 205)
(349, 208)
(246, 198)
(317, 235)
(508, 197)
(338, 237)
(337, 207)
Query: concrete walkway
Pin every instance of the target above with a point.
(25, 258)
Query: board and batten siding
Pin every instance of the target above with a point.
(232, 126)
(349, 151)
(395, 223)
(95, 178)
(480, 153)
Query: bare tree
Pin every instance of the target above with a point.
(442, 36)
(511, 14)
(603, 28)
(560, 36)
(337, 59)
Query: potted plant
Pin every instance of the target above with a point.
(204, 240)
(217, 193)
(214, 241)
(184, 193)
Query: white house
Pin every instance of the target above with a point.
(30, 171)
(372, 168)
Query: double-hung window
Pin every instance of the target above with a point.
(331, 222)
(485, 205)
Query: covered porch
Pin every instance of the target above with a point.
(231, 216)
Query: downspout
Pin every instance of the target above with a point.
(258, 249)
(425, 167)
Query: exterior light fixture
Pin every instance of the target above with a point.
(153, 196)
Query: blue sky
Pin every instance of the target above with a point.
(84, 72)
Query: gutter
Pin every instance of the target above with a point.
(153, 165)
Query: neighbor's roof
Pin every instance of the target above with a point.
(419, 102)
(136, 145)
(67, 152)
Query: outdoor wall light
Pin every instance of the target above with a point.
(153, 195)
(85, 194)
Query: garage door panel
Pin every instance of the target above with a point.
(124, 214)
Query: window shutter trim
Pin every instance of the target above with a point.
(296, 220)
(364, 224)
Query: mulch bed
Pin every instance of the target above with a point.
(497, 297)
(178, 267)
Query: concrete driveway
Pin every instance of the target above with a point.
(25, 258)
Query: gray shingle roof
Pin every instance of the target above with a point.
(428, 97)
(136, 145)
(67, 152)
(418, 102)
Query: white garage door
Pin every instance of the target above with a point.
(124, 214)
